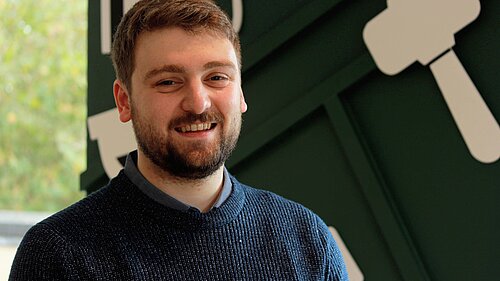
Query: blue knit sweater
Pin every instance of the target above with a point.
(119, 233)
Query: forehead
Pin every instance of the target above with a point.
(180, 47)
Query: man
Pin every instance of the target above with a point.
(174, 212)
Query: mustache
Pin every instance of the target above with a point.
(189, 118)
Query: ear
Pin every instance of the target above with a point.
(243, 104)
(122, 100)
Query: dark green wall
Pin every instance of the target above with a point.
(378, 157)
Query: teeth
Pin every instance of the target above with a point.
(195, 127)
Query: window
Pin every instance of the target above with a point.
(43, 50)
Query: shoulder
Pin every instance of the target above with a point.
(46, 251)
(84, 215)
(283, 213)
(50, 247)
(301, 226)
(88, 208)
(270, 201)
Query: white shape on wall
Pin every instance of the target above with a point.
(114, 139)
(237, 14)
(353, 269)
(423, 30)
(105, 19)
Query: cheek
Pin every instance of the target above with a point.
(161, 107)
(228, 104)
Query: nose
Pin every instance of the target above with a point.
(196, 99)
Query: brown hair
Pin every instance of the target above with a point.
(148, 15)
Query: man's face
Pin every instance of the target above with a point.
(186, 101)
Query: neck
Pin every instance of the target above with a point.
(199, 193)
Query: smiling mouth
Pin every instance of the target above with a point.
(196, 127)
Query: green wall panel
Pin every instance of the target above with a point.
(304, 60)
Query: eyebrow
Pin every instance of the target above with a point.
(215, 64)
(172, 68)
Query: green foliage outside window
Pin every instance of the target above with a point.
(43, 64)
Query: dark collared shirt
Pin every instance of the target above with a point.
(161, 197)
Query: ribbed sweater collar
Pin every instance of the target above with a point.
(130, 199)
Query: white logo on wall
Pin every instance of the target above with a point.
(424, 30)
(114, 139)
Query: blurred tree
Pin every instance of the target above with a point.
(43, 64)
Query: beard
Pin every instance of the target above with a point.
(189, 160)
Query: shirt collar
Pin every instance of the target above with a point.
(161, 197)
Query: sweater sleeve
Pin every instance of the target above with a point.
(335, 269)
(42, 255)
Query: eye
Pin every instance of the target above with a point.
(217, 80)
(168, 85)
